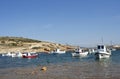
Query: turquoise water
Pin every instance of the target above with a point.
(45, 59)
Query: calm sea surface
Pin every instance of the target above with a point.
(45, 59)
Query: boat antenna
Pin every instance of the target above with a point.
(102, 40)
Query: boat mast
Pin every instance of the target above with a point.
(102, 40)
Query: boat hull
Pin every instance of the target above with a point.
(59, 52)
(83, 54)
(33, 56)
(102, 55)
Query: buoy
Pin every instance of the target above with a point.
(44, 68)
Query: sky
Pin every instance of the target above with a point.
(74, 22)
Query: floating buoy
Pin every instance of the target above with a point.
(44, 68)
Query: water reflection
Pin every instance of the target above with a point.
(104, 62)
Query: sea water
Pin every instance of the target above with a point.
(46, 59)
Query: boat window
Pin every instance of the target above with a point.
(102, 47)
(98, 47)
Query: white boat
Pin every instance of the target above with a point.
(91, 51)
(58, 51)
(4, 54)
(80, 53)
(102, 52)
(10, 54)
(19, 54)
(113, 49)
(13, 54)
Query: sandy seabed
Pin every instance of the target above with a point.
(74, 70)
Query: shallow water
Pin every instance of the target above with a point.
(45, 59)
(62, 66)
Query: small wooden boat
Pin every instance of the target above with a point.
(30, 55)
(80, 53)
(58, 51)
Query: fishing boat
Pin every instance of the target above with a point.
(58, 51)
(30, 55)
(4, 54)
(102, 52)
(19, 54)
(91, 51)
(79, 53)
(10, 54)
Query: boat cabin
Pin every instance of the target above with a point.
(101, 48)
(78, 50)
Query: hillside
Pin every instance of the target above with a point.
(15, 44)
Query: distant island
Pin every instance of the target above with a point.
(15, 44)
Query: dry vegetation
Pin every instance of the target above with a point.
(14, 44)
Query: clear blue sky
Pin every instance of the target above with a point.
(77, 22)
